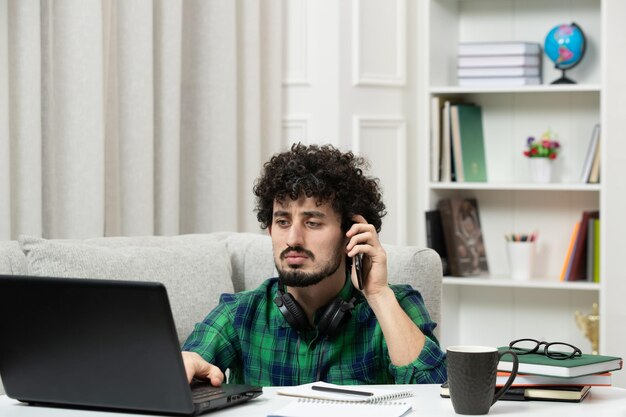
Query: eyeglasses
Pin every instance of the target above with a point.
(553, 350)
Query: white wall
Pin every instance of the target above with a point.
(349, 82)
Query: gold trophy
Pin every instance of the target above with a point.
(590, 325)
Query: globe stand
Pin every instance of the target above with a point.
(563, 79)
(565, 45)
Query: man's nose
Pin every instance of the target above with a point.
(294, 237)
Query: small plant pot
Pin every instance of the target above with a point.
(541, 169)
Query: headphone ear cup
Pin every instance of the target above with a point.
(292, 312)
(334, 317)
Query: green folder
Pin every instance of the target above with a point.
(540, 364)
(472, 143)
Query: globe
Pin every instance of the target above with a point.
(565, 46)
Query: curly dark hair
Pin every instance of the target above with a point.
(324, 173)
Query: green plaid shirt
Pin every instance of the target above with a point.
(247, 334)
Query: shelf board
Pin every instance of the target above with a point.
(506, 186)
(545, 88)
(507, 282)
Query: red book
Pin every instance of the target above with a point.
(529, 380)
(578, 270)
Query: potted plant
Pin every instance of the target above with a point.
(541, 153)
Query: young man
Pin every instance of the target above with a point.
(313, 322)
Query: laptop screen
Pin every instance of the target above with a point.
(85, 342)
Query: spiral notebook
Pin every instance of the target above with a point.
(310, 407)
(344, 393)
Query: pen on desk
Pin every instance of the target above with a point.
(341, 390)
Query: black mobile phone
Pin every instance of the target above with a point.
(358, 266)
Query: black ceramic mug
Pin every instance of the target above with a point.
(472, 377)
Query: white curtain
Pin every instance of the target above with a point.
(135, 117)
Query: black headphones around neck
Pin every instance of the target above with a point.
(335, 315)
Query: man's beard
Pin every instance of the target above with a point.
(293, 277)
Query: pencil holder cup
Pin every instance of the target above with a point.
(521, 258)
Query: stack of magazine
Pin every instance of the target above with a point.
(499, 63)
(541, 378)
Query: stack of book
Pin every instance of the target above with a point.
(499, 63)
(541, 378)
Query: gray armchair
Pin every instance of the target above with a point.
(195, 268)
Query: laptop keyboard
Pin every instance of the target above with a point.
(205, 392)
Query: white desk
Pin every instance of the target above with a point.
(602, 401)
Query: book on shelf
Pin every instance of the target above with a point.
(591, 154)
(455, 144)
(499, 48)
(596, 250)
(499, 61)
(568, 255)
(446, 151)
(306, 407)
(586, 364)
(522, 71)
(594, 174)
(468, 143)
(604, 379)
(578, 270)
(591, 250)
(545, 393)
(463, 236)
(498, 81)
(435, 238)
(435, 138)
(450, 139)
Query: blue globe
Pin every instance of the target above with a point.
(565, 45)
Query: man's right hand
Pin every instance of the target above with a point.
(196, 366)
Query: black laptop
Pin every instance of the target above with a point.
(99, 344)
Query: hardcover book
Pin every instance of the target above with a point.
(435, 139)
(499, 72)
(463, 236)
(578, 270)
(446, 149)
(547, 393)
(594, 175)
(499, 61)
(596, 250)
(498, 81)
(468, 143)
(529, 380)
(455, 137)
(591, 154)
(586, 364)
(499, 48)
(568, 255)
(435, 238)
(591, 249)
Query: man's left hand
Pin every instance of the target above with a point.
(364, 240)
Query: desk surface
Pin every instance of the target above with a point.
(604, 401)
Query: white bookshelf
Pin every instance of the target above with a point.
(505, 281)
(549, 89)
(487, 310)
(504, 186)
